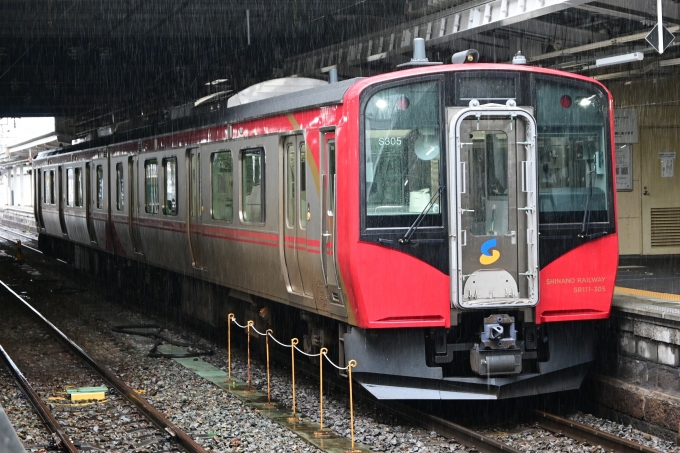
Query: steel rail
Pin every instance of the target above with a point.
(448, 429)
(593, 436)
(61, 439)
(22, 245)
(142, 405)
(12, 230)
(467, 436)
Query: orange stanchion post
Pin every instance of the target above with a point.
(19, 257)
(321, 432)
(250, 323)
(293, 342)
(350, 365)
(229, 321)
(269, 389)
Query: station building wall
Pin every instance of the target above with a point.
(649, 214)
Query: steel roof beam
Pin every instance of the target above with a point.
(595, 45)
(633, 10)
(549, 31)
(438, 30)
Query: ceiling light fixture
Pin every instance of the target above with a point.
(619, 59)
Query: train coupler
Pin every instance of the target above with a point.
(498, 352)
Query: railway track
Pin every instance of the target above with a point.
(586, 434)
(11, 235)
(67, 371)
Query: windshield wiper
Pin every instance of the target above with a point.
(411, 231)
(586, 212)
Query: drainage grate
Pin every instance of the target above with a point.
(665, 227)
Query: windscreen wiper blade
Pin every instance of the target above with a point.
(586, 212)
(412, 229)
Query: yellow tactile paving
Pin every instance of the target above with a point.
(642, 293)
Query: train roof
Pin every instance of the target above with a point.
(331, 94)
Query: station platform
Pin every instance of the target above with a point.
(658, 274)
(9, 441)
(649, 284)
(19, 217)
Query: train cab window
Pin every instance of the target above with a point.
(151, 198)
(120, 187)
(401, 161)
(79, 187)
(303, 186)
(574, 184)
(252, 185)
(70, 187)
(100, 187)
(170, 176)
(222, 176)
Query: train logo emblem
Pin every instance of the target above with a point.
(489, 256)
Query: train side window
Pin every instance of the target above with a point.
(51, 194)
(252, 185)
(290, 185)
(46, 182)
(303, 186)
(79, 187)
(100, 187)
(70, 187)
(222, 176)
(151, 199)
(331, 174)
(170, 196)
(120, 187)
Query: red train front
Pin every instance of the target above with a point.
(477, 230)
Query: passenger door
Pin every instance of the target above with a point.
(61, 199)
(290, 209)
(89, 201)
(136, 181)
(328, 236)
(39, 196)
(297, 213)
(495, 170)
(195, 207)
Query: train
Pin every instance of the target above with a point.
(450, 227)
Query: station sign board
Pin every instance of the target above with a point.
(625, 126)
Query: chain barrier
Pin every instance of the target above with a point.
(323, 354)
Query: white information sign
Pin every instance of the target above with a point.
(667, 164)
(625, 126)
(624, 169)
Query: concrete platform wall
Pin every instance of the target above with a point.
(21, 219)
(637, 380)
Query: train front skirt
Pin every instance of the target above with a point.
(391, 364)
